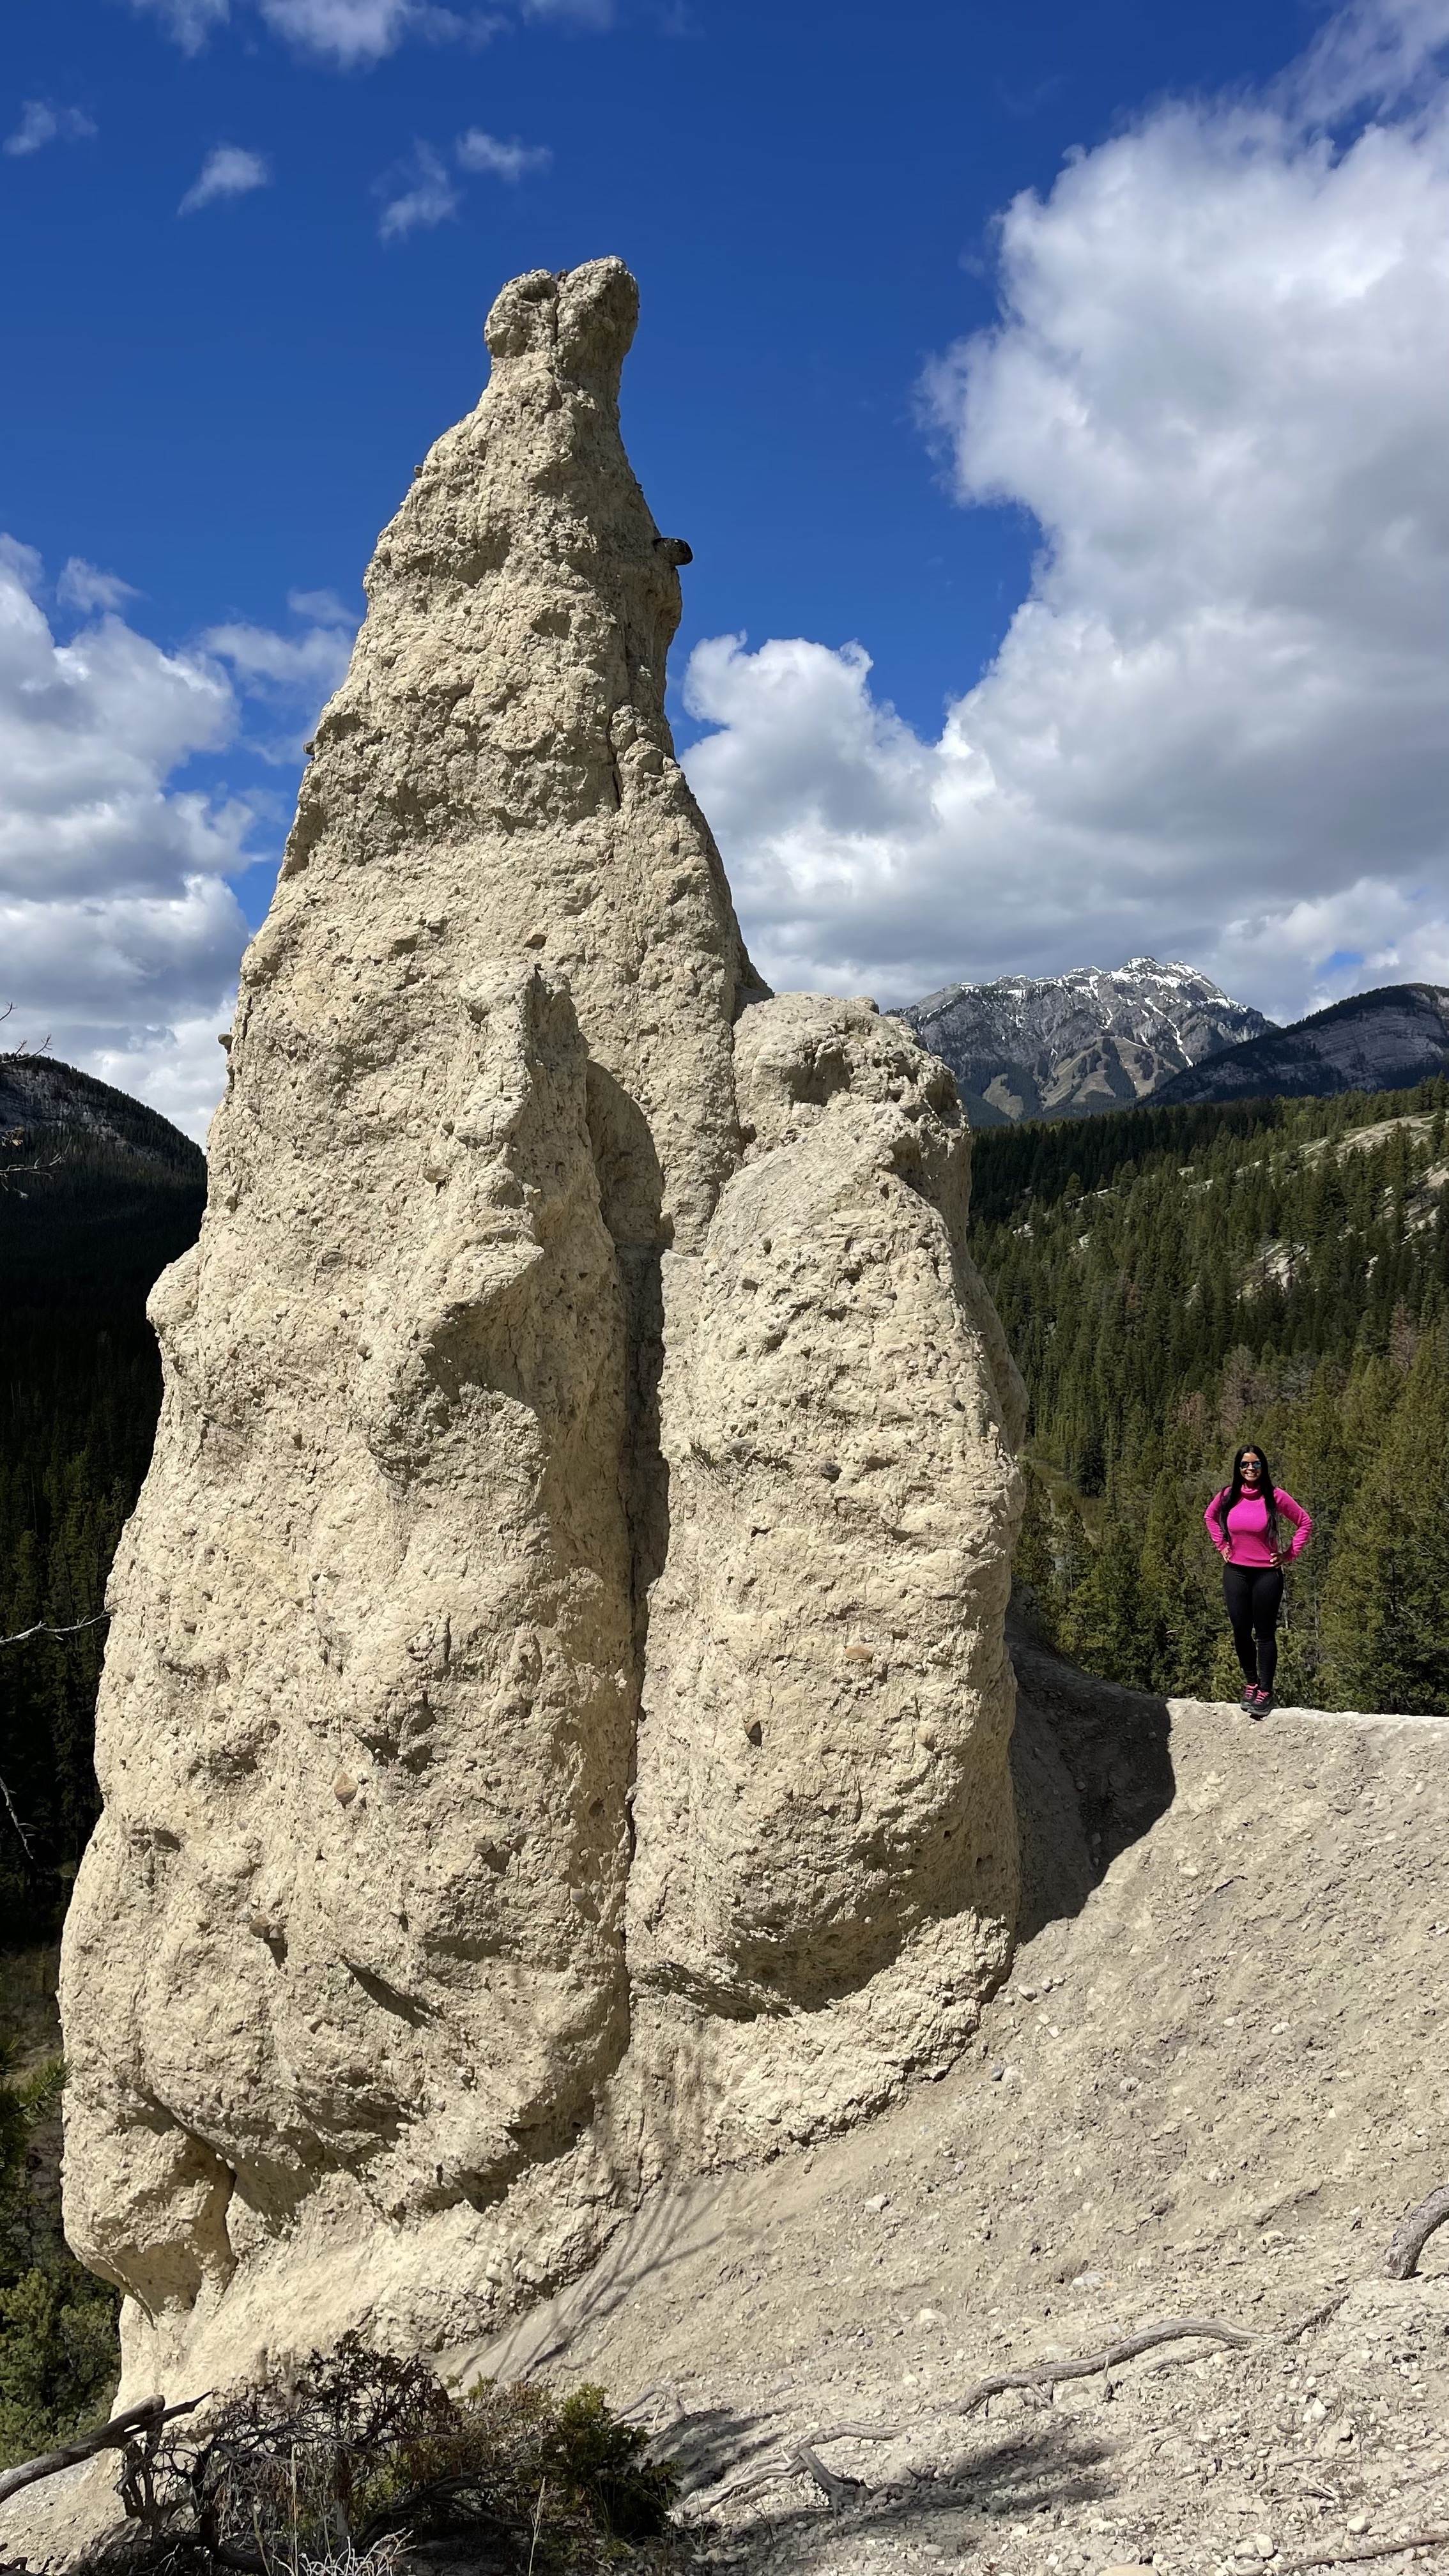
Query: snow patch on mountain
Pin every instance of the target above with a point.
(1094, 1038)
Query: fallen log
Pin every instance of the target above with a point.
(147, 2417)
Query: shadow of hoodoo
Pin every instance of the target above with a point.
(1091, 1770)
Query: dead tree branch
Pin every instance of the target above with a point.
(22, 1635)
(21, 1835)
(801, 2458)
(9, 1172)
(836, 2489)
(26, 1045)
(1047, 2373)
(1433, 2539)
(1318, 2316)
(148, 2417)
(1413, 2233)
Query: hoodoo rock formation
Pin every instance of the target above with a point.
(555, 1718)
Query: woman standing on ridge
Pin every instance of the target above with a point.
(1243, 1522)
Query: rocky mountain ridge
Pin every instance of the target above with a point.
(1384, 1040)
(47, 1106)
(1067, 1046)
(97, 1191)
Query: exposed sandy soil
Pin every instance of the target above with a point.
(1211, 2089)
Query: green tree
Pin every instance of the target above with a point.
(1385, 1629)
(58, 2352)
(1104, 1624)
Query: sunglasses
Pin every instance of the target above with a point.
(1252, 1466)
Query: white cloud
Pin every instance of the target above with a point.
(119, 932)
(348, 33)
(512, 160)
(288, 676)
(359, 31)
(324, 606)
(420, 193)
(1374, 53)
(228, 171)
(425, 195)
(116, 922)
(85, 587)
(189, 22)
(40, 123)
(1216, 727)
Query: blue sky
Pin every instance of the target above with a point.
(220, 407)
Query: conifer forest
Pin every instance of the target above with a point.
(86, 1226)
(89, 1215)
(1175, 1281)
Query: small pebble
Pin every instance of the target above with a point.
(879, 2200)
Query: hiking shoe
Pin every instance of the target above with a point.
(1262, 1701)
(1249, 1700)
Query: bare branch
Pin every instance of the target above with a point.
(801, 2458)
(838, 2490)
(74, 1630)
(24, 1838)
(148, 2417)
(1047, 2373)
(1432, 2539)
(1318, 2316)
(14, 1140)
(1413, 2233)
(25, 1047)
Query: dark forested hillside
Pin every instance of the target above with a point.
(97, 1194)
(1173, 1281)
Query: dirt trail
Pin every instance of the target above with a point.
(1212, 2085)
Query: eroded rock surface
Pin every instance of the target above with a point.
(825, 1829)
(403, 1958)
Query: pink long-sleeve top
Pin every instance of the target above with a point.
(1247, 1541)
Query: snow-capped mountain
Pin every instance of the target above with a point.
(1061, 1046)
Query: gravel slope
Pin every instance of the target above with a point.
(1212, 2087)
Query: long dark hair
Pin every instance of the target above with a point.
(1233, 1491)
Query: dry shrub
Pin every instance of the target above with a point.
(360, 2459)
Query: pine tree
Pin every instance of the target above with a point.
(1385, 1632)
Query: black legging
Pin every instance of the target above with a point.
(1253, 1594)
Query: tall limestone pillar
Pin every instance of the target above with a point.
(365, 2025)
